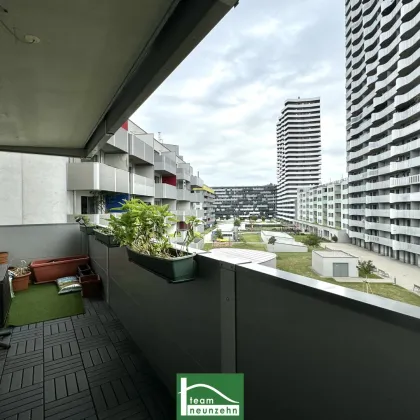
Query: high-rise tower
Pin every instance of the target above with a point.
(298, 152)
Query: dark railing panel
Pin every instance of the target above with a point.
(177, 326)
(30, 242)
(309, 349)
(98, 253)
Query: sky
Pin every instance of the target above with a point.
(222, 103)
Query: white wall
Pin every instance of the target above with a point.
(287, 247)
(33, 189)
(324, 265)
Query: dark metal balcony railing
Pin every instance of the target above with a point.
(308, 349)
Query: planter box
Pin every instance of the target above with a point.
(89, 230)
(91, 286)
(174, 270)
(20, 282)
(108, 240)
(46, 271)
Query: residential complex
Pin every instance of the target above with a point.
(298, 152)
(246, 201)
(383, 126)
(323, 209)
(131, 164)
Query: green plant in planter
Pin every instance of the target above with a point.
(192, 234)
(143, 227)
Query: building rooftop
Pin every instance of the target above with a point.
(334, 254)
(252, 256)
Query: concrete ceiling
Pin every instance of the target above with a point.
(96, 62)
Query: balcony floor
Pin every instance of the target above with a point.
(81, 367)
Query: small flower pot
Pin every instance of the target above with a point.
(179, 268)
(21, 282)
(108, 240)
(4, 257)
(89, 230)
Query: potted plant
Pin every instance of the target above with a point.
(85, 224)
(20, 276)
(106, 236)
(143, 228)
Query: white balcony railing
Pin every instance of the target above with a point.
(183, 194)
(354, 234)
(377, 199)
(165, 191)
(404, 214)
(142, 186)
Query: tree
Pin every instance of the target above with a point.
(334, 238)
(237, 222)
(263, 218)
(218, 234)
(312, 240)
(272, 240)
(365, 268)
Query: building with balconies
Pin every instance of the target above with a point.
(246, 201)
(298, 152)
(323, 209)
(383, 126)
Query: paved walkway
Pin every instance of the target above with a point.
(80, 367)
(406, 275)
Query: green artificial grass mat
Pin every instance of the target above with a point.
(42, 303)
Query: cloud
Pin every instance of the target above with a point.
(222, 103)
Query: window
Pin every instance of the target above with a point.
(88, 205)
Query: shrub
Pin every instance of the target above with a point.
(312, 240)
(365, 268)
(334, 238)
(219, 234)
(237, 222)
(272, 240)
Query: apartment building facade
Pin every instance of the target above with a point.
(246, 201)
(383, 126)
(298, 152)
(131, 164)
(323, 209)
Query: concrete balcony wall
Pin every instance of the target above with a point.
(88, 176)
(165, 164)
(165, 191)
(183, 195)
(196, 181)
(120, 140)
(142, 185)
(183, 174)
(197, 197)
(141, 147)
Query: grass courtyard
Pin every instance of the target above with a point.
(251, 237)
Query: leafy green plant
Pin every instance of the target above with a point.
(237, 222)
(263, 219)
(365, 268)
(218, 234)
(334, 238)
(192, 234)
(272, 240)
(312, 240)
(143, 227)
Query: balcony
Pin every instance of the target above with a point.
(358, 200)
(358, 177)
(141, 148)
(410, 113)
(380, 185)
(356, 188)
(407, 180)
(378, 239)
(358, 223)
(405, 246)
(358, 235)
(142, 186)
(183, 194)
(183, 214)
(377, 212)
(118, 142)
(165, 191)
(386, 227)
(356, 212)
(165, 165)
(405, 230)
(404, 214)
(197, 196)
(196, 181)
(95, 176)
(377, 199)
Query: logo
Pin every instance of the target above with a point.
(210, 396)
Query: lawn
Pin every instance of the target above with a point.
(300, 263)
(42, 303)
(251, 237)
(256, 247)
